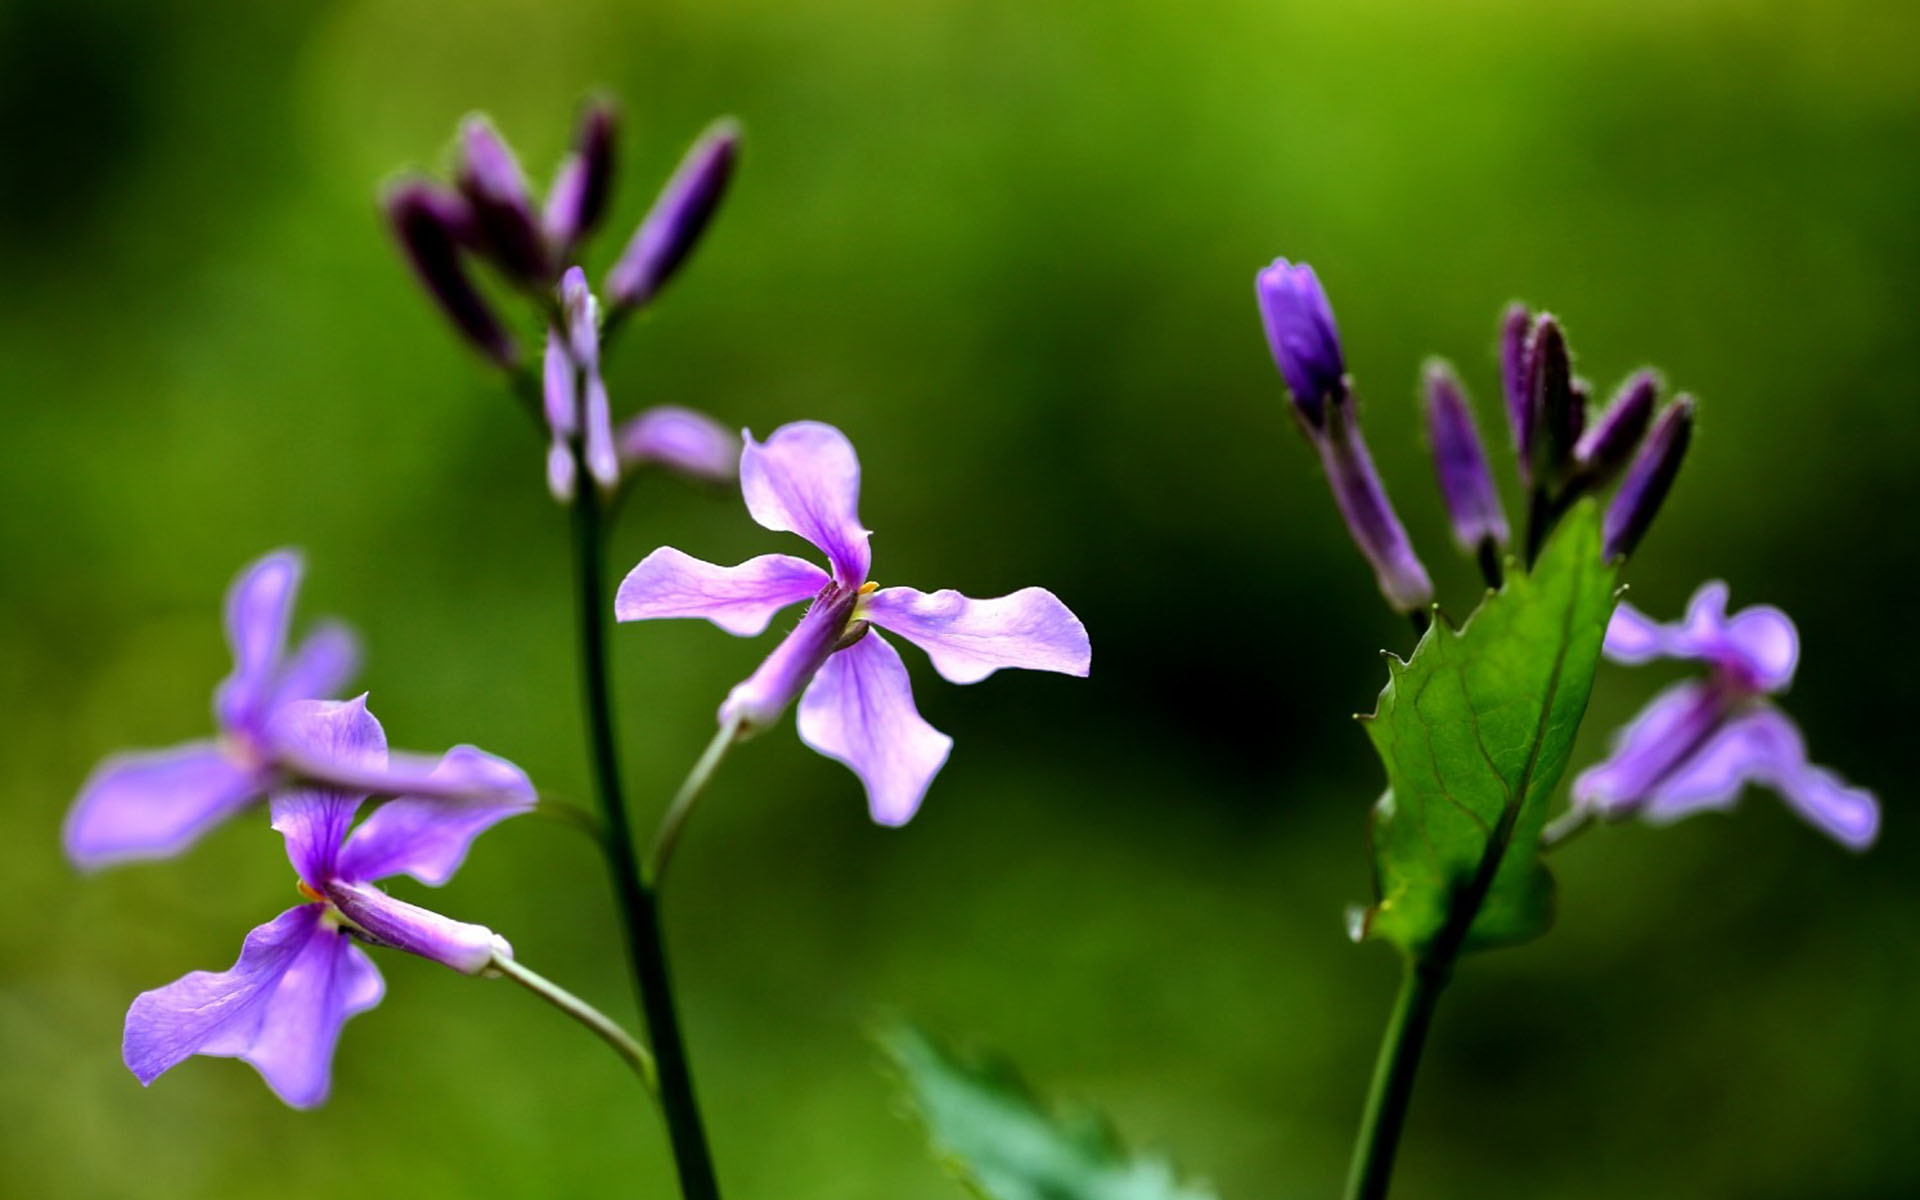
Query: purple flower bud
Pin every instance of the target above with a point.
(1605, 448)
(1649, 478)
(582, 315)
(757, 702)
(677, 219)
(1555, 404)
(490, 178)
(1473, 503)
(432, 224)
(1304, 340)
(465, 947)
(1369, 515)
(578, 198)
(1516, 328)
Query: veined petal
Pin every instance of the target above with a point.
(428, 838)
(279, 1008)
(314, 819)
(156, 803)
(325, 661)
(682, 440)
(740, 600)
(259, 608)
(969, 640)
(464, 947)
(805, 479)
(859, 711)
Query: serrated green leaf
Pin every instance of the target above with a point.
(1475, 730)
(1005, 1143)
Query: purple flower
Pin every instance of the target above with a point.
(1304, 340)
(1466, 483)
(151, 804)
(679, 216)
(856, 704)
(299, 977)
(1702, 740)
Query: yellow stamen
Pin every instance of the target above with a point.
(869, 588)
(308, 892)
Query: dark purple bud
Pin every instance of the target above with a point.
(1369, 514)
(578, 198)
(1605, 448)
(1555, 405)
(1304, 340)
(677, 219)
(490, 178)
(828, 626)
(1516, 329)
(1466, 483)
(432, 224)
(1649, 478)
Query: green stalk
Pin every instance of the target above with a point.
(1386, 1112)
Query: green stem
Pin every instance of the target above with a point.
(1386, 1111)
(638, 904)
(668, 835)
(1564, 828)
(603, 1026)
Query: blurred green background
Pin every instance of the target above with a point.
(1008, 246)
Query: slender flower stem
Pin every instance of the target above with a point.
(638, 904)
(668, 835)
(1564, 828)
(1386, 1111)
(603, 1026)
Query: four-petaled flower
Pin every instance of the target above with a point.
(150, 804)
(857, 705)
(299, 977)
(1697, 744)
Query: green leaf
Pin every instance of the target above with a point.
(1475, 730)
(1005, 1143)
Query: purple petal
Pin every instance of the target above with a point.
(1758, 647)
(259, 608)
(682, 440)
(336, 734)
(1369, 515)
(1648, 479)
(740, 600)
(805, 479)
(1302, 336)
(560, 398)
(432, 225)
(402, 926)
(490, 178)
(1516, 375)
(1633, 637)
(1651, 748)
(603, 460)
(157, 803)
(578, 198)
(673, 226)
(1466, 482)
(859, 711)
(280, 1008)
(969, 640)
(1764, 746)
(428, 838)
(325, 661)
(1848, 815)
(757, 702)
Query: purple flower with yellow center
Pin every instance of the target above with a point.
(1700, 742)
(856, 702)
(155, 803)
(281, 1006)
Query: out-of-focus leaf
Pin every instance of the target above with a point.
(1005, 1143)
(1475, 730)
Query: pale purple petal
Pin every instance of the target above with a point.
(428, 838)
(1633, 637)
(325, 661)
(341, 735)
(682, 440)
(969, 640)
(1758, 646)
(860, 712)
(1743, 749)
(395, 923)
(740, 600)
(603, 460)
(259, 608)
(153, 804)
(805, 479)
(560, 398)
(561, 471)
(280, 1008)
(757, 702)
(1651, 747)
(1849, 815)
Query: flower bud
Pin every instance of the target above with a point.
(678, 217)
(1466, 483)
(1516, 328)
(1304, 340)
(757, 703)
(1605, 448)
(466, 948)
(1369, 515)
(578, 198)
(1553, 400)
(490, 178)
(1649, 478)
(431, 225)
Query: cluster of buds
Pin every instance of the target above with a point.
(1562, 454)
(490, 215)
